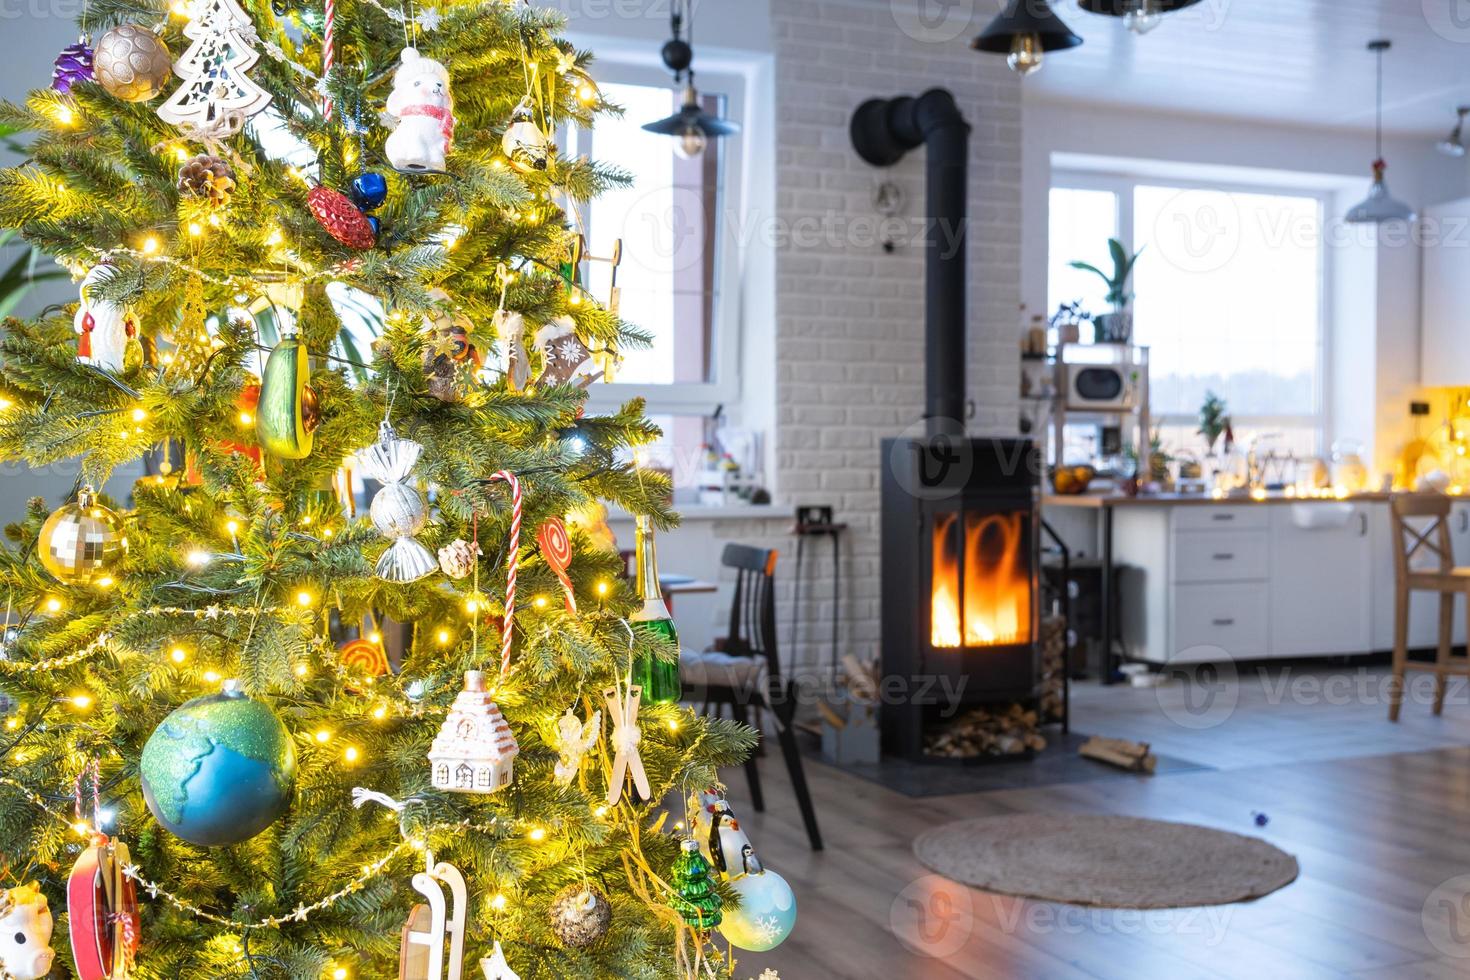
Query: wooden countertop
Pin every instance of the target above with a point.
(1096, 501)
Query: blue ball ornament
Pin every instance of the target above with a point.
(373, 221)
(766, 915)
(368, 190)
(219, 769)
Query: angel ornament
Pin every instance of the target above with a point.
(623, 710)
(573, 739)
(510, 329)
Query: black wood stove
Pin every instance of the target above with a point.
(959, 527)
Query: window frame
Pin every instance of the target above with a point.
(724, 387)
(1123, 185)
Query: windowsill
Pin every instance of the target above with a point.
(699, 512)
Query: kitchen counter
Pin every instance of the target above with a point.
(1099, 500)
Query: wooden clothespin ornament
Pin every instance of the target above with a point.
(421, 952)
(623, 710)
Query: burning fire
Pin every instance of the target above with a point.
(997, 582)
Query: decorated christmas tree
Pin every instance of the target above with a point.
(247, 730)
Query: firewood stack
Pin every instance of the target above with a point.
(988, 731)
(1053, 667)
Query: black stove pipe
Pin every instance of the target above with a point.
(882, 131)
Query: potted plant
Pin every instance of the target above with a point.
(1115, 327)
(1213, 420)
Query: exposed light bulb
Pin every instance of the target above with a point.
(1142, 17)
(691, 143)
(1025, 56)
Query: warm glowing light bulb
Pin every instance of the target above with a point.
(53, 604)
(380, 712)
(539, 602)
(178, 655)
(195, 229)
(302, 670)
(691, 143)
(673, 724)
(538, 835)
(233, 527)
(304, 598)
(12, 723)
(323, 736)
(81, 701)
(139, 414)
(600, 811)
(351, 754)
(5, 403)
(246, 419)
(1025, 56)
(587, 93)
(65, 116)
(105, 582)
(442, 636)
(211, 676)
(499, 902)
(602, 588)
(340, 973)
(150, 245)
(198, 558)
(375, 637)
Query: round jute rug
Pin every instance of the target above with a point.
(1117, 862)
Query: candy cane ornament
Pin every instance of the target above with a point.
(512, 564)
(556, 548)
(329, 53)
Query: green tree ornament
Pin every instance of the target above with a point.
(695, 897)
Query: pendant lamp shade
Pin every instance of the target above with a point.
(691, 126)
(1122, 8)
(1454, 144)
(1025, 19)
(691, 117)
(1379, 206)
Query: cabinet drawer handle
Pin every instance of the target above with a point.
(1222, 517)
(1223, 556)
(1227, 621)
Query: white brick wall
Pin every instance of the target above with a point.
(849, 330)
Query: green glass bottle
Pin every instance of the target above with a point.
(658, 678)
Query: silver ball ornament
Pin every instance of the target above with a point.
(131, 63)
(580, 915)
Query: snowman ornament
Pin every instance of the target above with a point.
(104, 329)
(424, 109)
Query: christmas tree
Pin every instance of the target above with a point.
(197, 668)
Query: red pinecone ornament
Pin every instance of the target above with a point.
(340, 217)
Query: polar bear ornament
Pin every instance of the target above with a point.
(104, 329)
(25, 933)
(424, 108)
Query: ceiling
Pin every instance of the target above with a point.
(1299, 61)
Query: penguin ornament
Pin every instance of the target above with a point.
(725, 845)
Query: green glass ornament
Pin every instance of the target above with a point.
(695, 898)
(287, 414)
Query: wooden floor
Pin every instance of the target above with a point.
(1378, 816)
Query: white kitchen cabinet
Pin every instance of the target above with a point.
(1444, 349)
(1321, 578)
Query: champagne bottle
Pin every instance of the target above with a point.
(659, 678)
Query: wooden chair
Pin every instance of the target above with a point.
(742, 671)
(1429, 537)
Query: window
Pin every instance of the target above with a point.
(677, 271)
(1229, 298)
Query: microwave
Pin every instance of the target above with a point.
(1098, 387)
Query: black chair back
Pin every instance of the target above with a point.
(752, 630)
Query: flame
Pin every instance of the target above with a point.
(997, 582)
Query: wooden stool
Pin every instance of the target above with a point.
(1448, 580)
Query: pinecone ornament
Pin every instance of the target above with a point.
(207, 176)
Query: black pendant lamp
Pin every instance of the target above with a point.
(1022, 31)
(1139, 16)
(691, 125)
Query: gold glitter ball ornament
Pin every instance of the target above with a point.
(131, 63)
(82, 543)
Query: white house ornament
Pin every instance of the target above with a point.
(495, 966)
(573, 738)
(475, 750)
(564, 358)
(105, 330)
(131, 63)
(422, 952)
(398, 510)
(217, 96)
(25, 933)
(524, 144)
(622, 708)
(424, 109)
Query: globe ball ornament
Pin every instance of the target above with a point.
(398, 510)
(219, 770)
(580, 915)
(131, 63)
(368, 190)
(766, 915)
(82, 543)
